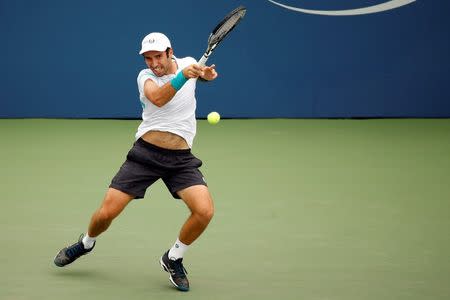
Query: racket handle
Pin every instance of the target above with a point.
(203, 60)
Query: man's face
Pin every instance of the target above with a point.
(159, 61)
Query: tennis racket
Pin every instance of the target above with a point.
(221, 31)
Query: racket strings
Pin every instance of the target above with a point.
(228, 25)
(222, 30)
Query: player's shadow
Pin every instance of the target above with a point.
(77, 273)
(159, 283)
(91, 274)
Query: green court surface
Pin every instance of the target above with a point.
(305, 209)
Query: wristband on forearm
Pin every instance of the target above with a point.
(178, 81)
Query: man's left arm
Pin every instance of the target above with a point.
(209, 73)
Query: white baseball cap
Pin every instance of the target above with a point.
(155, 41)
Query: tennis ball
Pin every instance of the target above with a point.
(213, 118)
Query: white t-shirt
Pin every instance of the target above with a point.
(176, 116)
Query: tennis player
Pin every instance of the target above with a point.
(162, 151)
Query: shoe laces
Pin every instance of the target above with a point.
(75, 250)
(178, 268)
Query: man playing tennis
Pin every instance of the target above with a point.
(161, 151)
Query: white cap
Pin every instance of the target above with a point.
(155, 41)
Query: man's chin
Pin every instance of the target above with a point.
(158, 73)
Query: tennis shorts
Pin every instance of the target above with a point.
(146, 163)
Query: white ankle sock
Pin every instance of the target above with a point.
(177, 251)
(88, 242)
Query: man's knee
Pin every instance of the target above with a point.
(112, 206)
(105, 214)
(205, 214)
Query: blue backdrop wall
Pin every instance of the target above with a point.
(79, 59)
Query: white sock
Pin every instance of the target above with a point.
(177, 251)
(88, 242)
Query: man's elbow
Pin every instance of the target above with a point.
(157, 101)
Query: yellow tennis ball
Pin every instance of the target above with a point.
(213, 118)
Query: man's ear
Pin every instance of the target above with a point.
(169, 52)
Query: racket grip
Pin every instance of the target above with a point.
(203, 60)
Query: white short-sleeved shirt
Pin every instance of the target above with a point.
(176, 116)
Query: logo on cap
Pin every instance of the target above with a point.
(151, 41)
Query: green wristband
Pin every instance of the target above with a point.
(178, 81)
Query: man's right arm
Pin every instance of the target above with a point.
(159, 96)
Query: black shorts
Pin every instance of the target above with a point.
(147, 163)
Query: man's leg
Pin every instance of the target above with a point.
(199, 201)
(113, 203)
